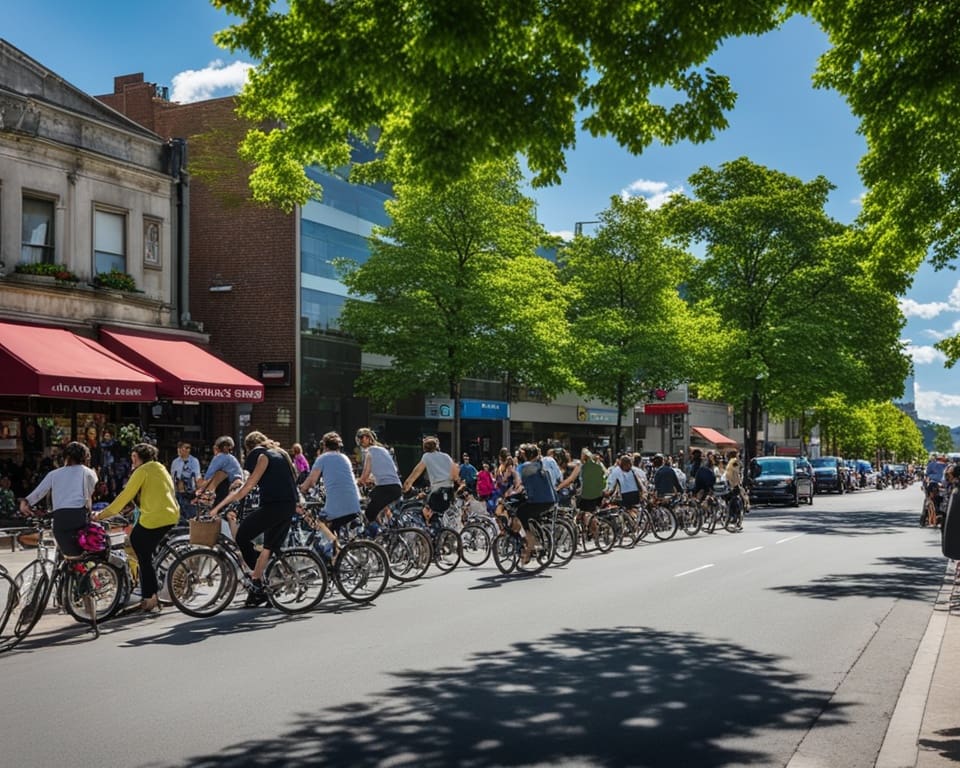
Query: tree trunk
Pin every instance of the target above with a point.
(754, 422)
(455, 439)
(617, 444)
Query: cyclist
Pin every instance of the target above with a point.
(539, 493)
(631, 482)
(159, 512)
(342, 502)
(272, 469)
(443, 474)
(223, 475)
(71, 489)
(665, 480)
(379, 470)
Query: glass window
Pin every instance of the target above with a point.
(320, 245)
(37, 240)
(320, 311)
(109, 242)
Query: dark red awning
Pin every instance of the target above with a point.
(53, 362)
(665, 408)
(185, 371)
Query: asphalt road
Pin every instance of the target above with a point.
(785, 644)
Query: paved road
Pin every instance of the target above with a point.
(785, 644)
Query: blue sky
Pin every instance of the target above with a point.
(780, 121)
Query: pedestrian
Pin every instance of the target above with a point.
(468, 474)
(442, 474)
(71, 497)
(380, 471)
(300, 461)
(185, 471)
(159, 512)
(486, 483)
(272, 469)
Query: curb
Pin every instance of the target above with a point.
(900, 747)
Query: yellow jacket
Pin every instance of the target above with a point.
(158, 502)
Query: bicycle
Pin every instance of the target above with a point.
(203, 581)
(360, 567)
(446, 542)
(91, 588)
(510, 547)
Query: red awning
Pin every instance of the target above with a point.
(712, 436)
(185, 371)
(53, 362)
(665, 408)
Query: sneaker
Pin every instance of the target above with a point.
(255, 597)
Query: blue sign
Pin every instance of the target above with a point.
(496, 410)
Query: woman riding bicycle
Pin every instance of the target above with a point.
(71, 489)
(272, 469)
(379, 469)
(159, 512)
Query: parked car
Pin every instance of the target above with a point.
(774, 479)
(829, 474)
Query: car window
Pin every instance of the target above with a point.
(782, 467)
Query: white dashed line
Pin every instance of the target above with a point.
(789, 538)
(694, 570)
(752, 549)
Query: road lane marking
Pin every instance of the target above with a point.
(694, 570)
(789, 538)
(752, 549)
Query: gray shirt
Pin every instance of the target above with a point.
(439, 465)
(71, 487)
(382, 467)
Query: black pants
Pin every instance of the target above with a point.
(66, 523)
(380, 497)
(272, 519)
(144, 542)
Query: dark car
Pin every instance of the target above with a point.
(778, 479)
(829, 474)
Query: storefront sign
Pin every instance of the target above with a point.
(497, 410)
(438, 408)
(601, 416)
(102, 391)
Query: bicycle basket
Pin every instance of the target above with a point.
(204, 533)
(93, 538)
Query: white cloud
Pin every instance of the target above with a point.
(858, 200)
(911, 308)
(565, 234)
(923, 355)
(656, 193)
(938, 407)
(217, 79)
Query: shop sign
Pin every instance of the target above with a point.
(438, 408)
(496, 410)
(601, 416)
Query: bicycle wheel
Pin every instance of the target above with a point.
(564, 543)
(542, 551)
(295, 580)
(629, 531)
(201, 582)
(734, 518)
(476, 544)
(506, 552)
(664, 523)
(34, 583)
(361, 571)
(447, 550)
(604, 536)
(689, 518)
(101, 586)
(8, 601)
(421, 550)
(708, 513)
(171, 546)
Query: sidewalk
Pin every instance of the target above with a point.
(924, 731)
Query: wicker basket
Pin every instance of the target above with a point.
(204, 533)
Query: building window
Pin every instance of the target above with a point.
(37, 241)
(151, 243)
(109, 242)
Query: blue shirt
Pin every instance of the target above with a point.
(339, 485)
(228, 464)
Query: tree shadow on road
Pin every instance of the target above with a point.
(946, 742)
(835, 523)
(913, 578)
(605, 697)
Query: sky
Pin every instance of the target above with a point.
(780, 121)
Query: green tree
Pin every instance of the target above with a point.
(450, 84)
(942, 439)
(784, 280)
(454, 289)
(631, 330)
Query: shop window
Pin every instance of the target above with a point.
(36, 245)
(109, 242)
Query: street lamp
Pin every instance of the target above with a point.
(578, 227)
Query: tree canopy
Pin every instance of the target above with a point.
(801, 317)
(454, 288)
(631, 331)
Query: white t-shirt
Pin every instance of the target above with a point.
(70, 487)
